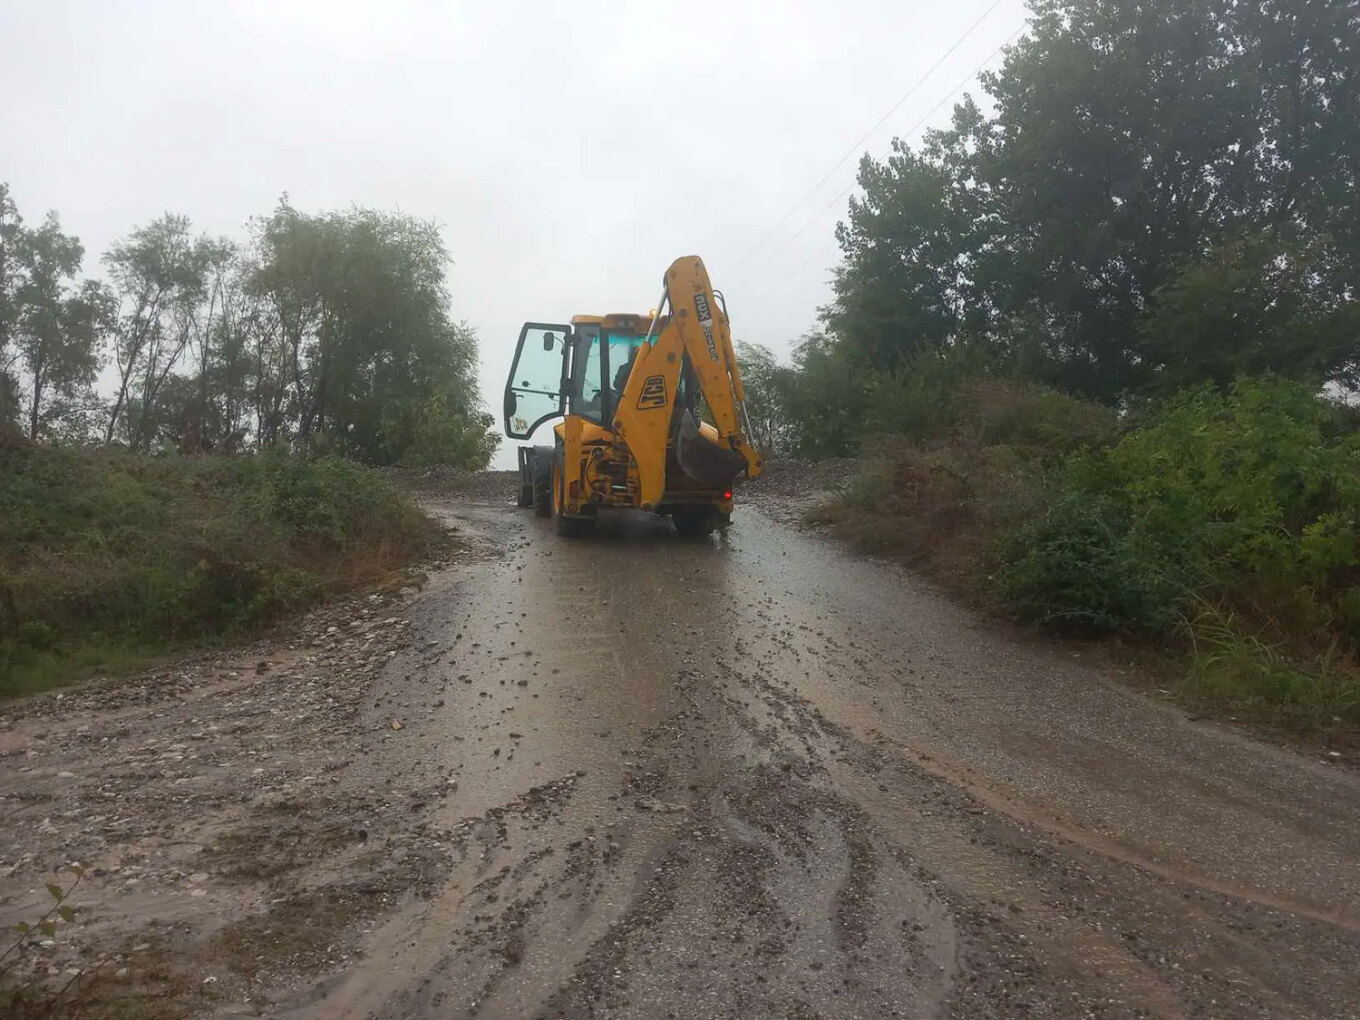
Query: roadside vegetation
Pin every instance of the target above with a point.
(1097, 346)
(109, 558)
(189, 444)
(1219, 526)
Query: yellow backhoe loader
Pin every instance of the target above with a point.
(632, 392)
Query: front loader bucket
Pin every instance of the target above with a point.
(704, 461)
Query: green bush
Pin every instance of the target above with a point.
(1233, 516)
(1084, 565)
(116, 552)
(1248, 496)
(1265, 478)
(441, 433)
(919, 401)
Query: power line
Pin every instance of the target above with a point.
(851, 187)
(867, 135)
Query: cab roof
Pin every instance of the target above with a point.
(615, 320)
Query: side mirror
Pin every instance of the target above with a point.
(548, 341)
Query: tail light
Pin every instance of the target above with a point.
(727, 494)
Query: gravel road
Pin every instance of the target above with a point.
(634, 776)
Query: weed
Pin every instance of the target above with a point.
(1236, 670)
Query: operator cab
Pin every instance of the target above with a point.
(578, 369)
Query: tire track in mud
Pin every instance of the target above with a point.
(778, 899)
(684, 786)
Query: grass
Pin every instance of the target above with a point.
(110, 560)
(1233, 670)
(35, 671)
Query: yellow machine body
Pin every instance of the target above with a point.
(635, 434)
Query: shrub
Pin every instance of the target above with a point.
(1083, 565)
(1037, 422)
(940, 499)
(1264, 482)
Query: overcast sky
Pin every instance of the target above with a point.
(569, 150)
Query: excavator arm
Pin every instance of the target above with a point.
(696, 329)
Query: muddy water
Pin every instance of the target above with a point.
(754, 777)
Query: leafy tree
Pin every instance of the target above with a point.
(442, 432)
(1129, 144)
(50, 327)
(824, 398)
(766, 383)
(1244, 307)
(11, 277)
(359, 310)
(58, 327)
(330, 330)
(910, 245)
(158, 272)
(216, 342)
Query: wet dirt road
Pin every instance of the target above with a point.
(757, 777)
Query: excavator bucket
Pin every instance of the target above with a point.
(705, 461)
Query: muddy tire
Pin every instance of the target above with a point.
(542, 486)
(524, 496)
(695, 523)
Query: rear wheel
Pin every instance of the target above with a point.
(570, 525)
(524, 495)
(695, 522)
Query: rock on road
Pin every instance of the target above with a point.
(757, 777)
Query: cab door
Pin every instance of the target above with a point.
(536, 389)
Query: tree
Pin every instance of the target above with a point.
(215, 345)
(1245, 307)
(910, 246)
(825, 397)
(58, 327)
(1129, 142)
(766, 384)
(11, 233)
(158, 273)
(358, 318)
(326, 330)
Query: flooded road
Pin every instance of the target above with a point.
(754, 776)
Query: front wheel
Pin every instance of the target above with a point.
(542, 486)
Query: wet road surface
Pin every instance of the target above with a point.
(754, 776)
